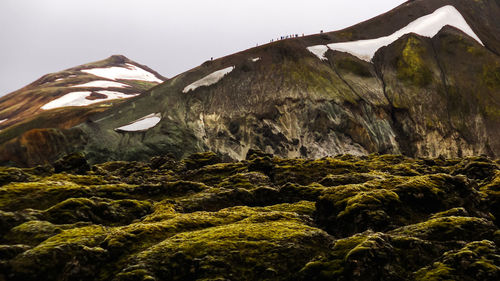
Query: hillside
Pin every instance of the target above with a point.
(376, 217)
(422, 80)
(65, 99)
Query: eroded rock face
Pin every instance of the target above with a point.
(418, 96)
(376, 217)
(414, 99)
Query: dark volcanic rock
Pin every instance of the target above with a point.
(376, 217)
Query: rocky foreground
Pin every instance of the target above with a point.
(380, 217)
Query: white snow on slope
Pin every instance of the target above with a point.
(101, 84)
(255, 59)
(129, 72)
(142, 124)
(319, 51)
(209, 79)
(427, 26)
(3, 120)
(80, 99)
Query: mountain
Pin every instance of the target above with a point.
(370, 218)
(102, 83)
(67, 98)
(420, 80)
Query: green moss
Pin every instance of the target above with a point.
(78, 179)
(46, 193)
(41, 194)
(256, 220)
(317, 79)
(245, 180)
(216, 173)
(32, 232)
(248, 250)
(478, 260)
(302, 208)
(198, 160)
(75, 163)
(8, 175)
(293, 192)
(354, 66)
(455, 212)
(350, 178)
(369, 200)
(411, 66)
(161, 211)
(339, 195)
(47, 260)
(440, 272)
(343, 247)
(332, 266)
(449, 228)
(97, 210)
(491, 76)
(305, 172)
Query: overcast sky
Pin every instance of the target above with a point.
(43, 36)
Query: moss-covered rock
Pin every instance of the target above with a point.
(351, 178)
(479, 170)
(97, 210)
(412, 66)
(376, 217)
(8, 175)
(492, 193)
(252, 251)
(74, 253)
(198, 160)
(479, 260)
(34, 232)
(75, 163)
(450, 229)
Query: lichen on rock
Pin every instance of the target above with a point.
(375, 217)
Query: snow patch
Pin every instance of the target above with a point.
(142, 124)
(255, 59)
(129, 72)
(427, 26)
(209, 79)
(81, 99)
(319, 51)
(3, 120)
(116, 95)
(101, 84)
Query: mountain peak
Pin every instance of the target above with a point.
(119, 58)
(93, 86)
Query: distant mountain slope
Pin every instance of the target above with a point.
(434, 89)
(114, 78)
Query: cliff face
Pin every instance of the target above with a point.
(418, 96)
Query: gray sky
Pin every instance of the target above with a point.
(43, 36)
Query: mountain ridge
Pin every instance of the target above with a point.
(27, 100)
(414, 98)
